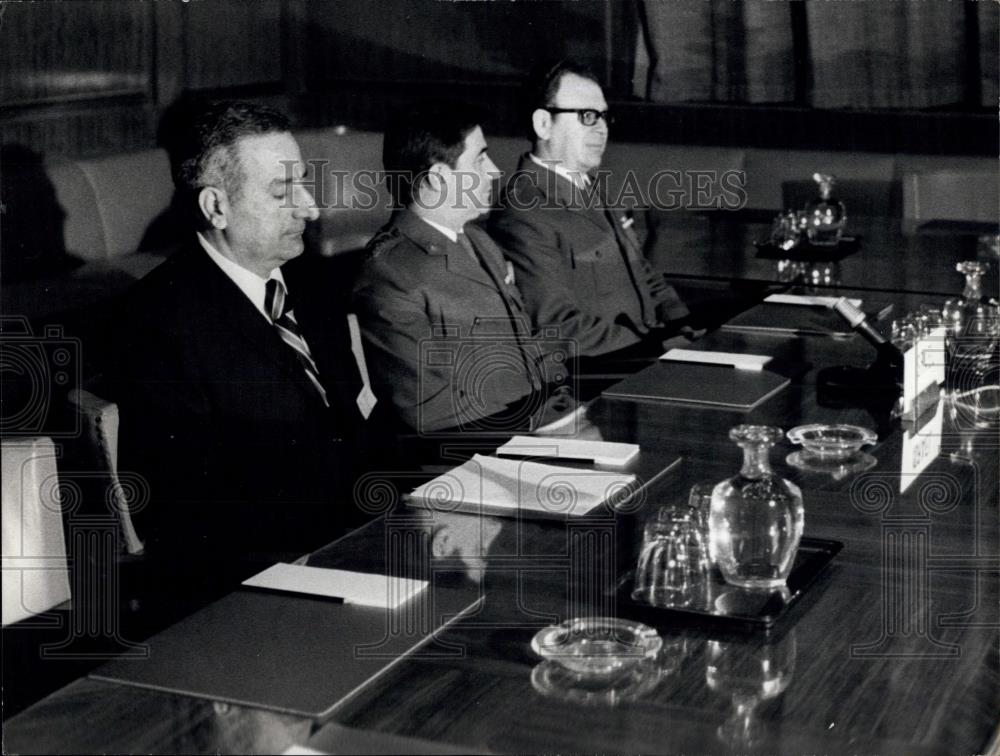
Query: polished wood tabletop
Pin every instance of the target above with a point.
(894, 649)
(890, 255)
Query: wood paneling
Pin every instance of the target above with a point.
(82, 78)
(58, 51)
(230, 43)
(413, 40)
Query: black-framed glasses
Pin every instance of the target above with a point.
(587, 116)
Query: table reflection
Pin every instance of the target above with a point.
(748, 674)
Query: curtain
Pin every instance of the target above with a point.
(725, 51)
(989, 31)
(887, 55)
(862, 54)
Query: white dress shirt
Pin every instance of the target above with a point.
(453, 235)
(577, 178)
(252, 285)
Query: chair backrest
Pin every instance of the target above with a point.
(35, 568)
(959, 195)
(99, 421)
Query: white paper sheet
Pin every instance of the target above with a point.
(732, 359)
(603, 453)
(361, 588)
(808, 301)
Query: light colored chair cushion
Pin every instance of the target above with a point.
(132, 191)
(959, 195)
(99, 421)
(82, 233)
(35, 570)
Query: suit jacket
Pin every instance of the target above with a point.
(447, 340)
(580, 266)
(245, 463)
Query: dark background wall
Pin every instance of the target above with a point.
(94, 77)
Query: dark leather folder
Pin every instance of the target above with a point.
(707, 385)
(290, 653)
(800, 320)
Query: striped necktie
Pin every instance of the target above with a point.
(275, 303)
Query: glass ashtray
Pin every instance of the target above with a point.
(831, 442)
(597, 645)
(552, 680)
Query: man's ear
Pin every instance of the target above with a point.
(541, 121)
(434, 177)
(214, 206)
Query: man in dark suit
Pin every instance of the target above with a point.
(579, 262)
(240, 400)
(447, 338)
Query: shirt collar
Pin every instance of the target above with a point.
(452, 235)
(252, 285)
(574, 177)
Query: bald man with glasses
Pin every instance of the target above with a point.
(579, 262)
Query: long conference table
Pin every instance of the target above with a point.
(893, 649)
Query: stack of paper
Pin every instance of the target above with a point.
(604, 453)
(511, 487)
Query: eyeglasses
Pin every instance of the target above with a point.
(587, 116)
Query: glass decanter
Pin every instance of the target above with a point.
(825, 216)
(973, 332)
(756, 519)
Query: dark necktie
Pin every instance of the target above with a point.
(275, 303)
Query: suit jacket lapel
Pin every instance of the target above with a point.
(246, 322)
(492, 255)
(433, 242)
(563, 192)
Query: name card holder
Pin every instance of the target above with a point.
(921, 444)
(923, 374)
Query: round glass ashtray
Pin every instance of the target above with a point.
(831, 442)
(597, 645)
(554, 681)
(838, 469)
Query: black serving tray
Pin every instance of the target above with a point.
(806, 252)
(728, 606)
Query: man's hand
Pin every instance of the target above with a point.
(557, 405)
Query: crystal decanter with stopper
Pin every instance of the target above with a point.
(756, 517)
(972, 343)
(825, 216)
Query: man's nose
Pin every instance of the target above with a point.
(305, 205)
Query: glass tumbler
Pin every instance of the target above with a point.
(673, 563)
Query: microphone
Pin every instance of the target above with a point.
(859, 322)
(885, 374)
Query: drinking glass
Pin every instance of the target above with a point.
(673, 563)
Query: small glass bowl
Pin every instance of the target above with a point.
(597, 645)
(831, 442)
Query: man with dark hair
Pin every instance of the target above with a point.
(578, 261)
(446, 334)
(245, 414)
